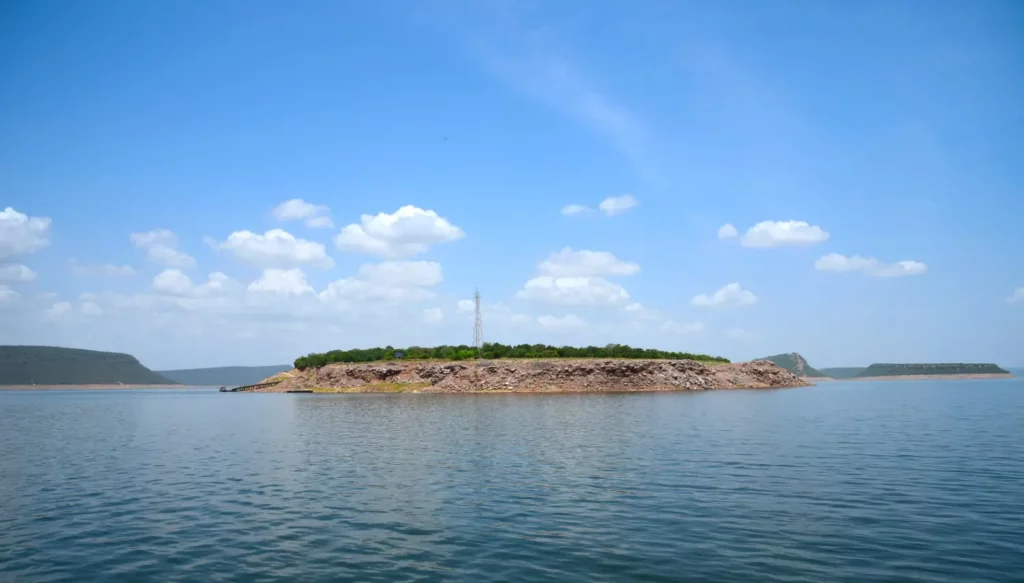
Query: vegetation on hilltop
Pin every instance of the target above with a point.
(223, 375)
(52, 365)
(915, 368)
(493, 350)
(794, 363)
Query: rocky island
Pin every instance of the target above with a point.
(533, 376)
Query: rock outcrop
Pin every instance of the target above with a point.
(555, 375)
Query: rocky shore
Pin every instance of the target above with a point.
(536, 376)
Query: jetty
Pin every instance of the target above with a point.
(246, 388)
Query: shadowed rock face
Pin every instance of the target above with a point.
(599, 375)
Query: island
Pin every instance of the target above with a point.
(536, 368)
(54, 366)
(797, 364)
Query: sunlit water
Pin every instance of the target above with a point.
(884, 481)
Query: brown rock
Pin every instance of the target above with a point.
(553, 375)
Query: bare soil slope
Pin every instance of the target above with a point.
(563, 375)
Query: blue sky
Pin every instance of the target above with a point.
(866, 154)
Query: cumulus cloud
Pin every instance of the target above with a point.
(21, 234)
(616, 205)
(161, 247)
(575, 209)
(682, 327)
(403, 273)
(574, 291)
(1017, 295)
(90, 309)
(282, 282)
(782, 233)
(106, 269)
(172, 281)
(466, 305)
(7, 294)
(175, 282)
(739, 334)
(399, 281)
(313, 215)
(433, 315)
(565, 322)
(275, 248)
(583, 263)
(869, 265)
(15, 273)
(408, 231)
(727, 231)
(729, 295)
(58, 311)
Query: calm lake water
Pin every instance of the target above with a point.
(855, 481)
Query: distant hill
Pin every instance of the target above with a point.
(794, 363)
(51, 365)
(946, 368)
(842, 372)
(224, 375)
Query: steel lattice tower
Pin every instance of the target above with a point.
(478, 327)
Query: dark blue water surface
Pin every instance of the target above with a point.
(849, 481)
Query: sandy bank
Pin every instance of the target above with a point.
(538, 376)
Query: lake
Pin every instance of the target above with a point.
(915, 481)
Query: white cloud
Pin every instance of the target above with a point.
(727, 231)
(319, 223)
(575, 209)
(21, 234)
(58, 310)
(869, 265)
(641, 312)
(467, 305)
(403, 273)
(176, 283)
(682, 328)
(106, 269)
(275, 248)
(1017, 295)
(433, 315)
(172, 281)
(408, 231)
(739, 334)
(161, 247)
(90, 309)
(565, 322)
(616, 205)
(16, 273)
(730, 295)
(574, 291)
(583, 263)
(282, 282)
(314, 216)
(7, 294)
(780, 233)
(398, 281)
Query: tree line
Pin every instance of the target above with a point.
(493, 350)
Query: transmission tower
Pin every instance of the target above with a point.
(478, 327)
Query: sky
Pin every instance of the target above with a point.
(241, 183)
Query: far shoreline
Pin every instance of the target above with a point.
(89, 387)
(918, 377)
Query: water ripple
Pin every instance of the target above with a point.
(894, 482)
